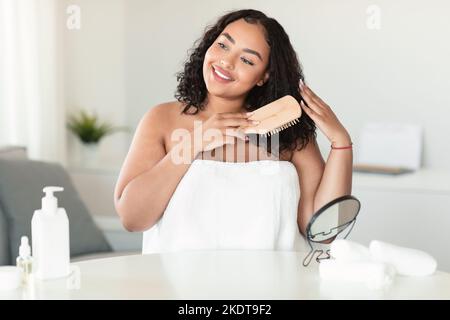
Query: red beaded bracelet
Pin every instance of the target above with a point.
(347, 147)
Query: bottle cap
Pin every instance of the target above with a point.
(24, 249)
(50, 202)
(10, 278)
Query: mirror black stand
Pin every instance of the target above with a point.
(311, 253)
(321, 252)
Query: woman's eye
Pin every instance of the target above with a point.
(220, 44)
(247, 61)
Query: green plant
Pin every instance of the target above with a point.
(88, 127)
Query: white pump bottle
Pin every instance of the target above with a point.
(50, 238)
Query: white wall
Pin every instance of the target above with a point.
(95, 72)
(124, 60)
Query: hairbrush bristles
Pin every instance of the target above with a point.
(281, 128)
(275, 116)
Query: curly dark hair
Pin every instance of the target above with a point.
(284, 68)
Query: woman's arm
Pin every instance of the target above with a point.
(321, 182)
(149, 176)
(310, 167)
(337, 176)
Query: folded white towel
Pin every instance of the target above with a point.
(345, 250)
(375, 266)
(375, 275)
(406, 261)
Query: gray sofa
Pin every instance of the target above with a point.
(21, 184)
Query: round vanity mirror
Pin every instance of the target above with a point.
(329, 221)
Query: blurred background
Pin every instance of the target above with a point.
(382, 66)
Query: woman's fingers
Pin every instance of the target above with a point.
(315, 97)
(239, 115)
(306, 90)
(311, 103)
(308, 110)
(224, 128)
(237, 122)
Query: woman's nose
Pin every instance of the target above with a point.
(226, 64)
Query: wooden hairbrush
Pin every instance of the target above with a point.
(275, 116)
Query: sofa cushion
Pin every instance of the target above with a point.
(21, 185)
(13, 152)
(4, 240)
(8, 152)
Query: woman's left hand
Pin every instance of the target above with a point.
(323, 117)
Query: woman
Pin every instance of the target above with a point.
(213, 199)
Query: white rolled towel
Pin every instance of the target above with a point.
(375, 275)
(346, 250)
(406, 261)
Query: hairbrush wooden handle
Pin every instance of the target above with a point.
(275, 116)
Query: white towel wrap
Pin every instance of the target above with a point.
(231, 206)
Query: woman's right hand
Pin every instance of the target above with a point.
(221, 129)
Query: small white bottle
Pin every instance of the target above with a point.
(24, 261)
(50, 238)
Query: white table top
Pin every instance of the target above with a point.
(218, 275)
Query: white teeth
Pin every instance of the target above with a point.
(221, 75)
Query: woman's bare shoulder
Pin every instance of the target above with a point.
(165, 118)
(163, 114)
(164, 110)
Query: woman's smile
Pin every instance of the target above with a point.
(220, 76)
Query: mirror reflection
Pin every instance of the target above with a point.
(330, 221)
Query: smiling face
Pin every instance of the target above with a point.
(237, 60)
